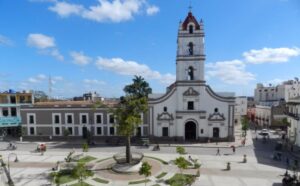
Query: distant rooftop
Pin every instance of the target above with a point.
(106, 103)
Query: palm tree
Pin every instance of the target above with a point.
(139, 87)
(129, 110)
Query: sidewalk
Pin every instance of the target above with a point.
(237, 143)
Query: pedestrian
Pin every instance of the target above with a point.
(292, 148)
(218, 152)
(233, 149)
(287, 163)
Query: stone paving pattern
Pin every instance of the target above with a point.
(33, 168)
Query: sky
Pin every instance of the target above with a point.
(99, 45)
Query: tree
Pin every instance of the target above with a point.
(139, 87)
(245, 125)
(145, 170)
(40, 96)
(80, 172)
(285, 122)
(181, 164)
(67, 134)
(128, 112)
(85, 147)
(180, 150)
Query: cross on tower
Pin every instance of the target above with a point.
(190, 6)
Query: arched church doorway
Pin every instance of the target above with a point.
(190, 131)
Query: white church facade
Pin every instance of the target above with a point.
(190, 110)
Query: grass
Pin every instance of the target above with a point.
(86, 159)
(65, 179)
(102, 160)
(161, 175)
(187, 162)
(62, 177)
(181, 179)
(138, 182)
(101, 180)
(162, 161)
(81, 184)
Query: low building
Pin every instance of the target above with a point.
(240, 109)
(45, 119)
(10, 116)
(284, 91)
(271, 116)
(263, 116)
(293, 117)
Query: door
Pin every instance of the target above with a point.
(216, 132)
(84, 132)
(190, 131)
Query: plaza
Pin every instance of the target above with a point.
(260, 169)
(149, 92)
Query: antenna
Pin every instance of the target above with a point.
(50, 86)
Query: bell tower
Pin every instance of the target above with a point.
(190, 50)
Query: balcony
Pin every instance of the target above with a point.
(292, 115)
(10, 121)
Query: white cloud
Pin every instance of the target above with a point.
(231, 72)
(93, 82)
(79, 58)
(104, 10)
(58, 78)
(132, 68)
(271, 55)
(65, 9)
(37, 79)
(40, 41)
(45, 45)
(275, 81)
(5, 41)
(115, 11)
(151, 10)
(56, 54)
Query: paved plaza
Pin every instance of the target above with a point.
(33, 168)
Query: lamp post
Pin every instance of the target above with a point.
(16, 160)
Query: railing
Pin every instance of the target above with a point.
(10, 121)
(295, 116)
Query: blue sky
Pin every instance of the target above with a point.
(98, 45)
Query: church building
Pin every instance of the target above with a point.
(190, 110)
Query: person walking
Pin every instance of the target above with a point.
(218, 152)
(233, 149)
(287, 163)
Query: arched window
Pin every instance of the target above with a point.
(191, 48)
(190, 73)
(191, 29)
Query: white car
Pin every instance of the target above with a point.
(265, 132)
